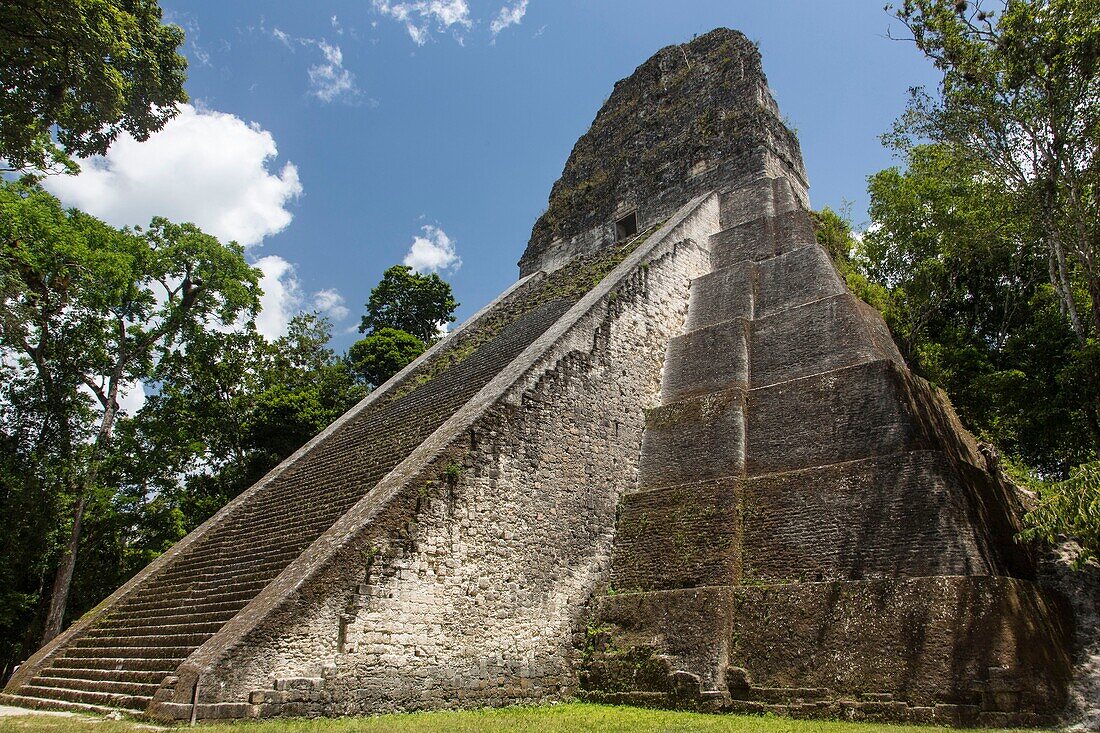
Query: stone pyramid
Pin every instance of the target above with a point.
(677, 463)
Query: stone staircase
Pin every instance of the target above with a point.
(798, 486)
(121, 660)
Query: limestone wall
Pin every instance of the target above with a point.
(462, 577)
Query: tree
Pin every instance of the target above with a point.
(86, 71)
(410, 302)
(1020, 102)
(383, 353)
(963, 283)
(1020, 98)
(305, 387)
(1070, 507)
(88, 309)
(230, 407)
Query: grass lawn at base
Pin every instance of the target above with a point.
(566, 718)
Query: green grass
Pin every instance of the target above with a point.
(568, 718)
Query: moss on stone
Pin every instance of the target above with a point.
(569, 283)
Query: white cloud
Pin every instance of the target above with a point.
(419, 16)
(508, 15)
(433, 252)
(283, 38)
(205, 167)
(131, 397)
(192, 32)
(284, 298)
(330, 302)
(330, 80)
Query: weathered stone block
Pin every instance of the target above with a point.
(764, 197)
(678, 537)
(921, 640)
(693, 440)
(708, 359)
(924, 640)
(761, 239)
(794, 278)
(901, 515)
(842, 415)
(688, 629)
(827, 334)
(722, 295)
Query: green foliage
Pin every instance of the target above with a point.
(968, 299)
(227, 407)
(1070, 507)
(383, 353)
(232, 406)
(305, 387)
(571, 717)
(85, 70)
(453, 473)
(87, 310)
(834, 233)
(1019, 106)
(407, 301)
(1006, 200)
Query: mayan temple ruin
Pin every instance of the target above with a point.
(677, 464)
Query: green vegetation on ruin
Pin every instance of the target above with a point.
(567, 718)
(570, 282)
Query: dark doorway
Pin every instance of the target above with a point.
(626, 227)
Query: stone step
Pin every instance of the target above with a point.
(133, 652)
(38, 703)
(302, 515)
(202, 585)
(196, 609)
(291, 526)
(162, 629)
(282, 555)
(134, 621)
(756, 290)
(693, 439)
(144, 677)
(110, 686)
(201, 597)
(242, 553)
(104, 699)
(843, 414)
(233, 563)
(116, 663)
(124, 642)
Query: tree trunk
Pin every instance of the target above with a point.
(59, 597)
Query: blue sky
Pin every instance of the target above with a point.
(333, 137)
